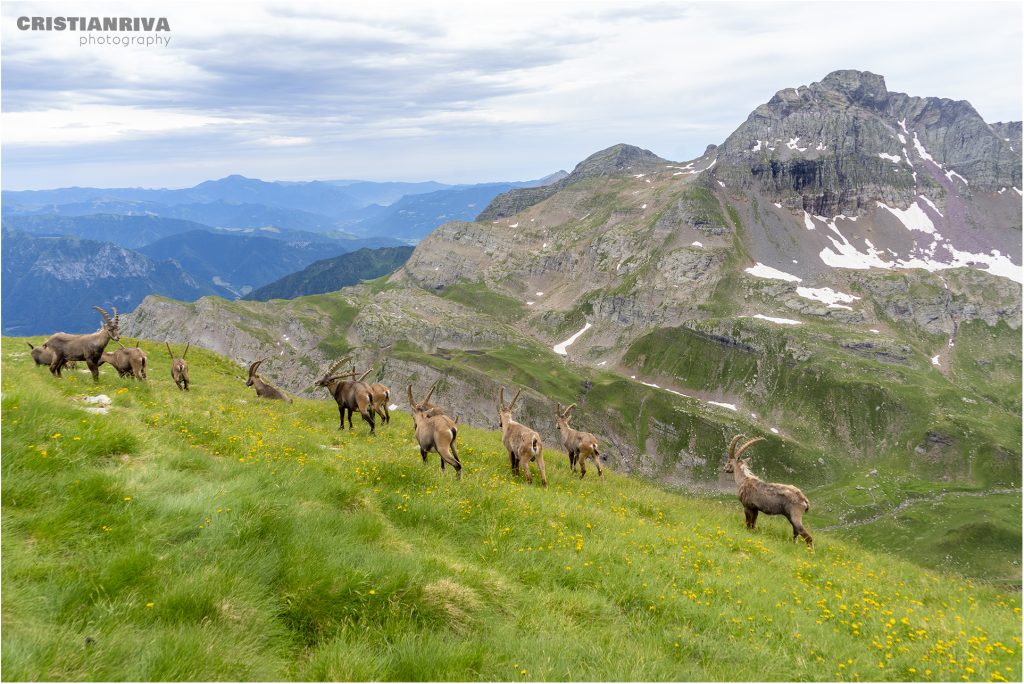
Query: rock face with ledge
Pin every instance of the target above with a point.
(839, 145)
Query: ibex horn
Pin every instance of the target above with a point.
(569, 408)
(169, 352)
(431, 392)
(363, 376)
(412, 402)
(254, 365)
(185, 353)
(515, 398)
(732, 445)
(739, 452)
(334, 367)
(104, 314)
(117, 316)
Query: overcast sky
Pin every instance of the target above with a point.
(453, 91)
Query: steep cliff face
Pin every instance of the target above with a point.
(841, 144)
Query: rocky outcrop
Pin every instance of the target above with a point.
(841, 144)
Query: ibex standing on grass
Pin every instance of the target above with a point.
(127, 361)
(435, 432)
(351, 395)
(88, 348)
(770, 498)
(179, 367)
(523, 444)
(381, 396)
(41, 355)
(264, 389)
(579, 445)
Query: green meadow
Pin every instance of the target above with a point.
(215, 536)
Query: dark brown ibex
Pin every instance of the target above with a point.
(770, 498)
(263, 388)
(179, 367)
(522, 443)
(579, 445)
(435, 432)
(352, 395)
(88, 348)
(127, 361)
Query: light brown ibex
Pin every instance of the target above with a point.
(522, 443)
(435, 432)
(127, 361)
(352, 395)
(179, 367)
(89, 348)
(770, 498)
(263, 388)
(579, 445)
(41, 355)
(381, 396)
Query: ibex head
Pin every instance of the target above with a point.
(562, 416)
(110, 325)
(505, 412)
(252, 371)
(734, 453)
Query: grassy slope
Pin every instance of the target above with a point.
(213, 536)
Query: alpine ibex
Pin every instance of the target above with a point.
(435, 432)
(179, 367)
(523, 444)
(264, 389)
(579, 445)
(770, 498)
(127, 361)
(88, 348)
(381, 396)
(352, 395)
(41, 354)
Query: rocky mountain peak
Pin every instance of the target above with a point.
(615, 160)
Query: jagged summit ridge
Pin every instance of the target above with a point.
(845, 142)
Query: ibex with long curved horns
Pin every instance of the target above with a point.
(179, 367)
(352, 395)
(579, 445)
(435, 431)
(522, 443)
(770, 498)
(263, 388)
(89, 348)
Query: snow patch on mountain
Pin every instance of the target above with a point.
(561, 347)
(761, 271)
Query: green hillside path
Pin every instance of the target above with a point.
(215, 536)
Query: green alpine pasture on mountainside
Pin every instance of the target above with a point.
(212, 536)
